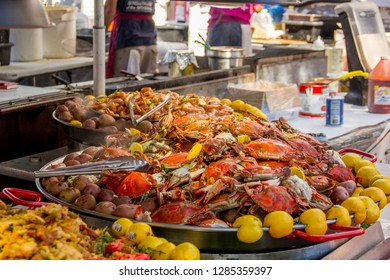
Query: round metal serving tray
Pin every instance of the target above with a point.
(207, 239)
(86, 136)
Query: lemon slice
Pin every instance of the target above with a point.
(136, 147)
(76, 123)
(298, 172)
(195, 151)
(243, 139)
(134, 131)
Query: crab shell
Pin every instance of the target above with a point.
(135, 184)
(175, 213)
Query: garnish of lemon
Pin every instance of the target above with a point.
(195, 151)
(136, 147)
(243, 139)
(298, 172)
(76, 123)
(133, 131)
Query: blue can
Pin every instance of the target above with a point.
(334, 110)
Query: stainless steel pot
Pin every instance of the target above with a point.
(225, 57)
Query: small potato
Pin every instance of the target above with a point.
(49, 181)
(106, 195)
(89, 123)
(69, 195)
(106, 120)
(80, 182)
(338, 195)
(60, 108)
(79, 114)
(105, 207)
(92, 189)
(144, 126)
(123, 199)
(86, 201)
(149, 205)
(83, 158)
(109, 129)
(120, 124)
(72, 162)
(127, 210)
(70, 104)
(230, 216)
(96, 120)
(70, 156)
(65, 116)
(91, 150)
(78, 100)
(56, 188)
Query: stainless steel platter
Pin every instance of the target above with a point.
(207, 239)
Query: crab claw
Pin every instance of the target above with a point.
(135, 184)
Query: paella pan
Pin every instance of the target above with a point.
(210, 162)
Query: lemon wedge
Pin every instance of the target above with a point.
(133, 131)
(76, 123)
(298, 172)
(195, 151)
(243, 139)
(136, 147)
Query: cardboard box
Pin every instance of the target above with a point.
(274, 99)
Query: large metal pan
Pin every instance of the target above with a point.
(210, 240)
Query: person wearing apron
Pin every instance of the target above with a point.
(227, 25)
(133, 42)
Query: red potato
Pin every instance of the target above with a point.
(72, 162)
(86, 201)
(123, 199)
(69, 195)
(338, 195)
(128, 211)
(90, 123)
(56, 188)
(65, 116)
(70, 156)
(106, 195)
(92, 189)
(349, 185)
(80, 182)
(149, 205)
(105, 207)
(83, 158)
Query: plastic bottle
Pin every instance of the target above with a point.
(318, 44)
(379, 87)
(290, 10)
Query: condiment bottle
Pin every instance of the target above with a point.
(379, 87)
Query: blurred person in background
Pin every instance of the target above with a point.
(133, 44)
(227, 24)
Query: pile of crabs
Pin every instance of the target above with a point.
(211, 162)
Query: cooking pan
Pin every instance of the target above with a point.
(211, 240)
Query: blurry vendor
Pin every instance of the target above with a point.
(133, 38)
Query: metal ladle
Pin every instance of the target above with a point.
(146, 115)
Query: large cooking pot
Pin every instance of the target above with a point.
(211, 240)
(225, 57)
